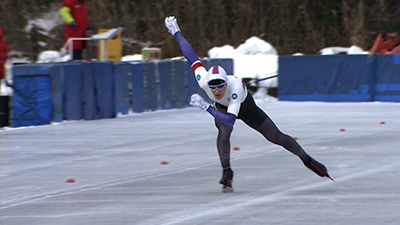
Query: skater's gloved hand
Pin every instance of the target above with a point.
(172, 25)
(198, 101)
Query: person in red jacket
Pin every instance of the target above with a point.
(3, 54)
(74, 13)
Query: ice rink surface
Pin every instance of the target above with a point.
(119, 178)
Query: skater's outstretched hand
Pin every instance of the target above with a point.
(198, 101)
(172, 25)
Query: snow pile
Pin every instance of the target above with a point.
(4, 90)
(226, 51)
(256, 46)
(137, 57)
(353, 50)
(252, 46)
(49, 56)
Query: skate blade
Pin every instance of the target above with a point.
(227, 189)
(327, 175)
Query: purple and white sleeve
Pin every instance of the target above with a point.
(227, 119)
(188, 51)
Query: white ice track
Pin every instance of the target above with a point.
(120, 180)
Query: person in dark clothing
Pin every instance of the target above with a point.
(232, 101)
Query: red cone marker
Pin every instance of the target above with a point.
(71, 180)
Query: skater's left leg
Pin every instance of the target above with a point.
(271, 132)
(257, 119)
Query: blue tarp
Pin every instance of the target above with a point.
(32, 96)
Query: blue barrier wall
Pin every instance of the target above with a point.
(57, 77)
(73, 91)
(388, 78)
(138, 91)
(180, 84)
(151, 87)
(98, 96)
(122, 81)
(225, 63)
(339, 78)
(95, 90)
(165, 74)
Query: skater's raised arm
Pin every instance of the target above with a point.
(203, 77)
(186, 48)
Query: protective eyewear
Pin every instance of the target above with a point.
(219, 86)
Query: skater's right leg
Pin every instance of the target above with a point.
(224, 148)
(223, 144)
(223, 140)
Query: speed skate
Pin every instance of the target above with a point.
(226, 180)
(227, 188)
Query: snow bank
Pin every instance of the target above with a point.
(137, 57)
(226, 51)
(255, 46)
(49, 56)
(353, 50)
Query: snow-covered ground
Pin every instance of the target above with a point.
(119, 178)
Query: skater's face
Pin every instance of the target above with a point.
(218, 90)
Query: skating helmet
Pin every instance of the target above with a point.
(216, 73)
